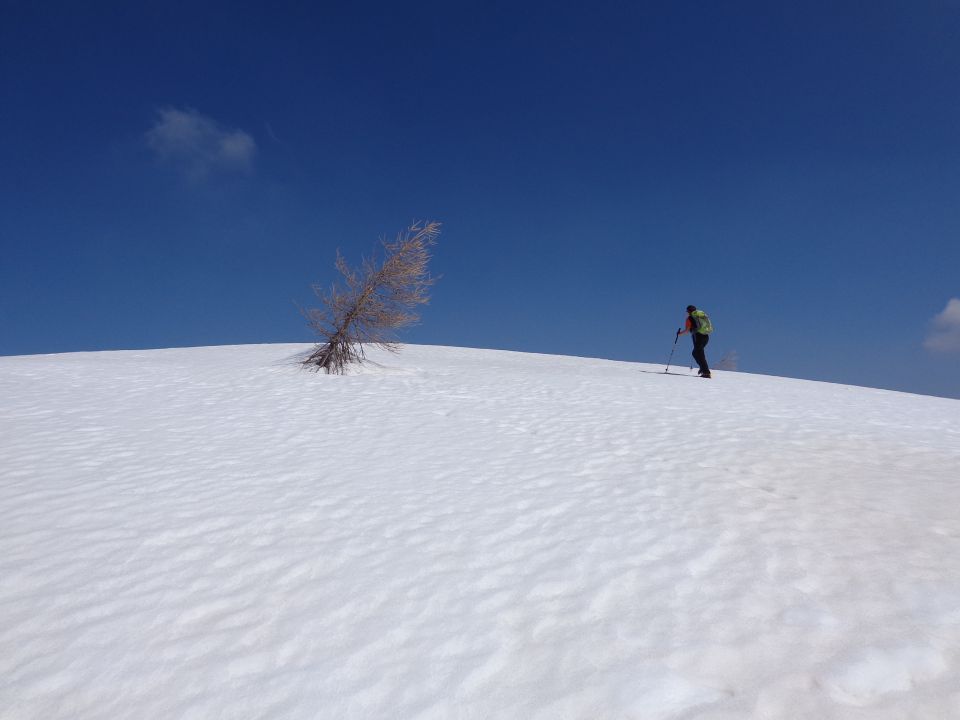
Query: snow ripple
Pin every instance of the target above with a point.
(474, 534)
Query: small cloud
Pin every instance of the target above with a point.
(273, 135)
(944, 334)
(199, 145)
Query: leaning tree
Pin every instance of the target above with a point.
(380, 297)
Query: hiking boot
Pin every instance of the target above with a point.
(705, 375)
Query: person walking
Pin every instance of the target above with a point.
(699, 326)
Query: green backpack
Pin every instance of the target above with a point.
(703, 324)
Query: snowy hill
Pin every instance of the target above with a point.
(453, 533)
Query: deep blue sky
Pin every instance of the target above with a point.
(181, 173)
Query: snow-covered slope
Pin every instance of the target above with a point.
(452, 533)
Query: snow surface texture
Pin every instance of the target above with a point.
(453, 533)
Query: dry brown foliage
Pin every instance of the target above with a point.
(379, 298)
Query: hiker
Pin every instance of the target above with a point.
(698, 324)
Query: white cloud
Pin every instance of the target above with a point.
(199, 145)
(944, 334)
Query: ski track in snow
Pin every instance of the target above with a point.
(452, 533)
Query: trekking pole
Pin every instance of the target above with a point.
(671, 351)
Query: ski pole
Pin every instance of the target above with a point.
(671, 351)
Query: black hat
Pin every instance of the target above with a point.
(691, 308)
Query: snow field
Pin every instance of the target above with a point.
(454, 533)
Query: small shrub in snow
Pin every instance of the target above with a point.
(730, 361)
(379, 298)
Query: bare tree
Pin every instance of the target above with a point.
(379, 298)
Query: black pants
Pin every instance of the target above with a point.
(699, 352)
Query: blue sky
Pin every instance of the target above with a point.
(178, 174)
